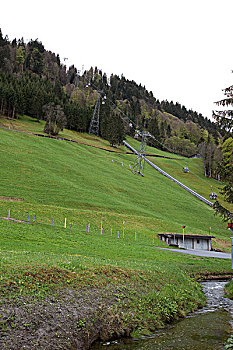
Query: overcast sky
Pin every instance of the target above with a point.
(179, 49)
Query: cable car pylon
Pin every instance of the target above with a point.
(95, 120)
(139, 164)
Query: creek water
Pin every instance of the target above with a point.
(206, 329)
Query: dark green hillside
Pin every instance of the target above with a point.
(32, 77)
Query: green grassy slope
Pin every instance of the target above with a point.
(51, 174)
(55, 179)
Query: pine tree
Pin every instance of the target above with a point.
(168, 131)
(155, 131)
(225, 117)
(20, 58)
(225, 121)
(115, 130)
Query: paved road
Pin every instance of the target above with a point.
(204, 253)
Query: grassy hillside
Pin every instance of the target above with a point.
(55, 179)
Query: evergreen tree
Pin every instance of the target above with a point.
(155, 131)
(168, 131)
(225, 121)
(115, 130)
(20, 58)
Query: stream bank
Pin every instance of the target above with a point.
(102, 303)
(120, 303)
(206, 329)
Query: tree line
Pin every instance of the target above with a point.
(32, 78)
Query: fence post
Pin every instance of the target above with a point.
(101, 226)
(28, 217)
(135, 235)
(9, 213)
(65, 223)
(232, 253)
(123, 229)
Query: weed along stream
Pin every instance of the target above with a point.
(206, 329)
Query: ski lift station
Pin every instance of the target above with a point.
(197, 242)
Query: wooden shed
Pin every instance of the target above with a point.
(198, 242)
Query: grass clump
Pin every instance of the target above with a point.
(229, 290)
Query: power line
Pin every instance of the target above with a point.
(138, 167)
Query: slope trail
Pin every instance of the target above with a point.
(197, 195)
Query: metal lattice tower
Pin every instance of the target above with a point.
(77, 78)
(95, 121)
(138, 167)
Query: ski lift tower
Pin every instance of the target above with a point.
(77, 78)
(138, 167)
(95, 121)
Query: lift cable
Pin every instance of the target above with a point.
(139, 166)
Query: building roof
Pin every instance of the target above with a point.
(171, 235)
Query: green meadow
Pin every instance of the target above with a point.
(48, 180)
(55, 179)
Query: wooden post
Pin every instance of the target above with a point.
(9, 213)
(135, 236)
(34, 218)
(65, 223)
(89, 227)
(28, 217)
(123, 229)
(232, 253)
(101, 226)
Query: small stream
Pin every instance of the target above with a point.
(206, 329)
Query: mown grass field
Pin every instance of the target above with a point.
(55, 179)
(58, 179)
